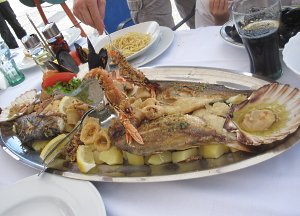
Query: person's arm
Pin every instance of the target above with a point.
(90, 12)
(219, 10)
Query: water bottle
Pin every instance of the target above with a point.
(8, 66)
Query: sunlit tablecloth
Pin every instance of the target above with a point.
(268, 188)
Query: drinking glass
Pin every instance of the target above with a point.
(4, 51)
(257, 23)
(11, 72)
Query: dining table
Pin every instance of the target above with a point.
(269, 188)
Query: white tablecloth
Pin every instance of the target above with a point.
(268, 188)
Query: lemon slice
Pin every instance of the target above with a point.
(50, 145)
(64, 103)
(85, 158)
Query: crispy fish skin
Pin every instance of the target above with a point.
(173, 132)
(37, 127)
(173, 90)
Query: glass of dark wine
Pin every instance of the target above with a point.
(257, 23)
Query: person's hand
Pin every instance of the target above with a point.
(219, 10)
(90, 12)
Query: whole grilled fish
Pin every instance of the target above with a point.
(172, 132)
(37, 127)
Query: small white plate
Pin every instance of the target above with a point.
(226, 37)
(291, 53)
(71, 35)
(151, 28)
(51, 195)
(25, 63)
(22, 62)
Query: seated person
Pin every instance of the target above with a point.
(212, 12)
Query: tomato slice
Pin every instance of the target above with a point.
(57, 77)
(75, 57)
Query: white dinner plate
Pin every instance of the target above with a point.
(71, 35)
(163, 42)
(151, 28)
(51, 195)
(291, 53)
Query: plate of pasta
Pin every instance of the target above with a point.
(134, 40)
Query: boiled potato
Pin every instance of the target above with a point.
(183, 155)
(111, 156)
(97, 159)
(134, 159)
(160, 158)
(213, 150)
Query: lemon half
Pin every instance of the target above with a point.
(85, 158)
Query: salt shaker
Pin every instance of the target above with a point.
(37, 51)
(55, 38)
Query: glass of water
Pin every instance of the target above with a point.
(8, 66)
(11, 72)
(4, 51)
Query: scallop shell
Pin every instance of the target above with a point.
(275, 93)
(26, 98)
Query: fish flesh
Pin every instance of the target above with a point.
(183, 98)
(38, 127)
(172, 132)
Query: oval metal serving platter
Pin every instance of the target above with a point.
(167, 172)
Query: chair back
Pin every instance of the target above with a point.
(116, 12)
(55, 1)
(30, 3)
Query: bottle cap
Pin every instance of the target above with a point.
(50, 30)
(30, 41)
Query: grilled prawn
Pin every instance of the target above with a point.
(118, 101)
(132, 74)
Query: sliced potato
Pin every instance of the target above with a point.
(213, 150)
(183, 155)
(112, 156)
(133, 159)
(97, 157)
(160, 158)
